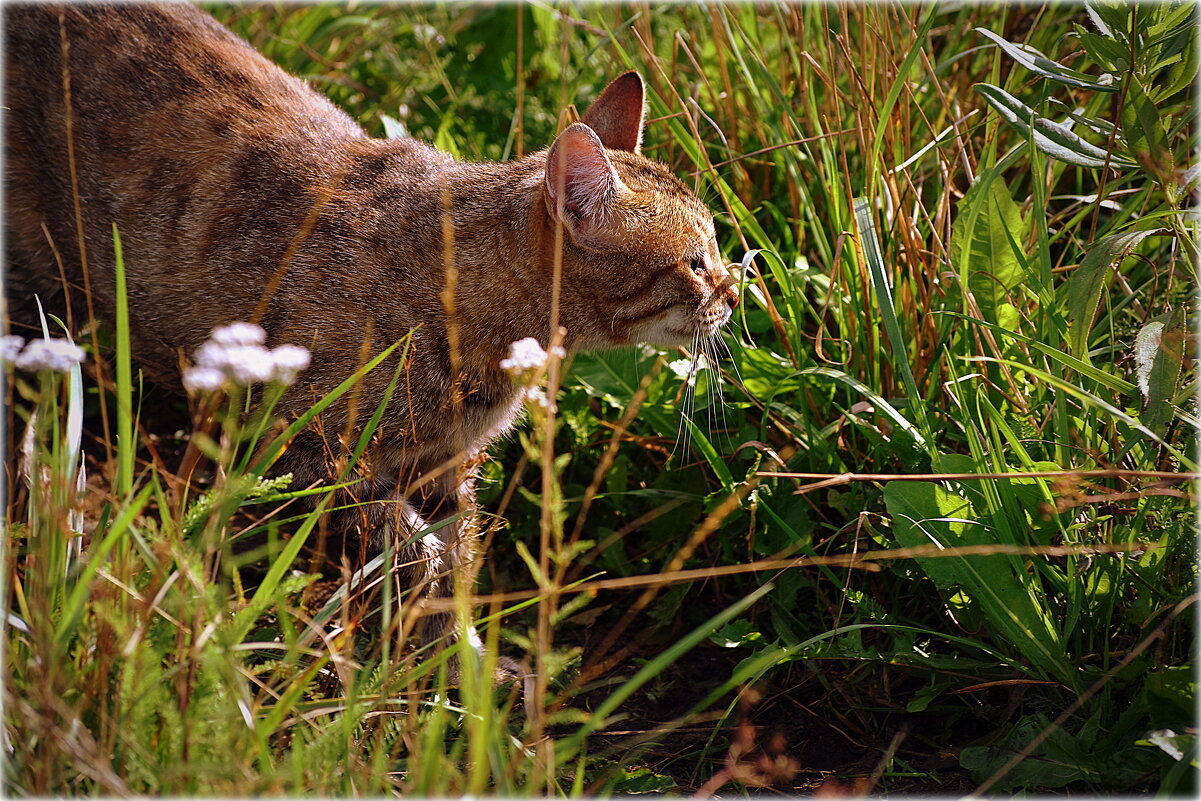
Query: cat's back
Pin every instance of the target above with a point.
(207, 157)
(144, 62)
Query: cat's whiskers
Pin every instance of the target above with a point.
(688, 402)
(730, 354)
(689, 408)
(714, 384)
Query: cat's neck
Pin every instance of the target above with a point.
(492, 222)
(505, 244)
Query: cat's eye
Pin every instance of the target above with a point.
(698, 268)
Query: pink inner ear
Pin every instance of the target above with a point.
(577, 163)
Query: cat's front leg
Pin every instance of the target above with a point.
(431, 531)
(436, 554)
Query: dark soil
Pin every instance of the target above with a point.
(792, 736)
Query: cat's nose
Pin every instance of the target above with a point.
(731, 286)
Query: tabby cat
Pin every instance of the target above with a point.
(241, 194)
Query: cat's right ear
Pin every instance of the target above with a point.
(618, 114)
(581, 185)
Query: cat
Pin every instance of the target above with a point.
(241, 194)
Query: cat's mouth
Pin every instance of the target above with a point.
(712, 322)
(682, 324)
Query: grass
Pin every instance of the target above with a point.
(929, 527)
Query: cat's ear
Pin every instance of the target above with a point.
(581, 184)
(618, 114)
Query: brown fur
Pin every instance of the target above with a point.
(226, 176)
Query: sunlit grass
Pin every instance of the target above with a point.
(935, 295)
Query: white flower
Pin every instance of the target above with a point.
(537, 395)
(58, 355)
(687, 368)
(10, 348)
(235, 353)
(526, 355)
(289, 360)
(238, 334)
(213, 355)
(203, 379)
(249, 364)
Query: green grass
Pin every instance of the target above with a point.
(938, 282)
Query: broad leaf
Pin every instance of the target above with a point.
(1112, 17)
(1052, 138)
(986, 246)
(1036, 62)
(1108, 52)
(924, 513)
(1082, 292)
(1144, 133)
(1159, 357)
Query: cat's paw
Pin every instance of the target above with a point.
(510, 671)
(314, 597)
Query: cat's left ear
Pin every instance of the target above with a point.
(618, 114)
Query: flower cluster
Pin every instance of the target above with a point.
(537, 396)
(527, 356)
(235, 354)
(526, 362)
(55, 355)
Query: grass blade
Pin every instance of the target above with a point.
(126, 445)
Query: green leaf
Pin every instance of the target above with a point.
(1082, 292)
(922, 698)
(875, 398)
(986, 240)
(1164, 21)
(1169, 696)
(1095, 124)
(1036, 62)
(1090, 399)
(737, 634)
(1182, 73)
(1143, 130)
(1112, 17)
(701, 443)
(1061, 758)
(882, 285)
(1052, 138)
(925, 513)
(917, 508)
(1116, 383)
(638, 781)
(1107, 52)
(612, 375)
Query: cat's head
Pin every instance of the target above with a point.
(635, 236)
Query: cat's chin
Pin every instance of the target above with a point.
(677, 328)
(671, 337)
